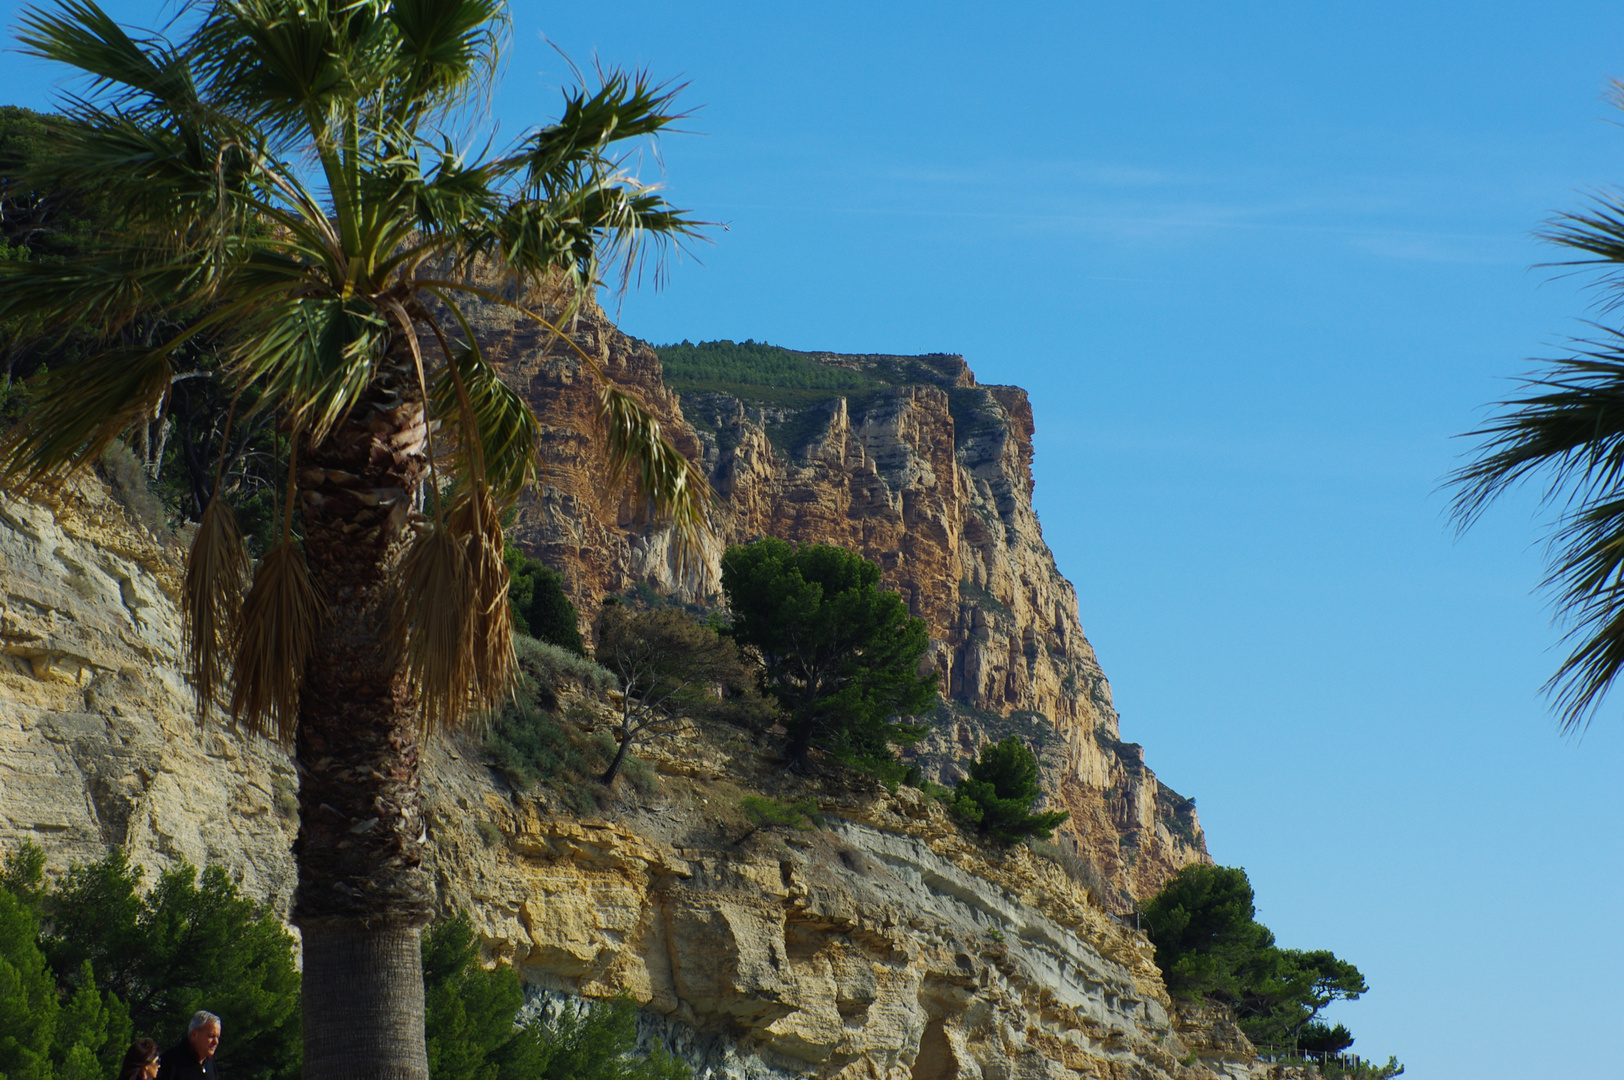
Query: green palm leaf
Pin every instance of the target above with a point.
(1569, 428)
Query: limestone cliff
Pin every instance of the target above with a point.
(928, 474)
(884, 944)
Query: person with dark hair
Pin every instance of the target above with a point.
(140, 1061)
(193, 1057)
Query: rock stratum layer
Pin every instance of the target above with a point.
(930, 476)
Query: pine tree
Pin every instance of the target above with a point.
(998, 795)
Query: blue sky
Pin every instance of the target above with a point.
(1258, 265)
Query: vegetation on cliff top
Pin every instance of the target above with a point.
(748, 369)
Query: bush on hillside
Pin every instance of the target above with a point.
(527, 743)
(998, 795)
(471, 1017)
(541, 608)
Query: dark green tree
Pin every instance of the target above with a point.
(1317, 1037)
(541, 607)
(1210, 945)
(192, 942)
(1208, 942)
(473, 1032)
(998, 794)
(841, 654)
(1287, 989)
(40, 1037)
(469, 1011)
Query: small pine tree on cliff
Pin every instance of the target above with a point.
(998, 795)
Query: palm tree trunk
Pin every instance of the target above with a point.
(363, 895)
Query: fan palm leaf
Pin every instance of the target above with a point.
(1569, 428)
(286, 191)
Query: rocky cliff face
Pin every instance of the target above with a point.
(98, 743)
(928, 474)
(883, 945)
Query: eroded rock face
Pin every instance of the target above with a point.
(885, 944)
(99, 743)
(930, 477)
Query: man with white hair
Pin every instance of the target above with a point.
(193, 1057)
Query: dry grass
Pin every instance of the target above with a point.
(281, 619)
(216, 577)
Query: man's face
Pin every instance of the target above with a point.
(204, 1040)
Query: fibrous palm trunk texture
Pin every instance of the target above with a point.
(363, 895)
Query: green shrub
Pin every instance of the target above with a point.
(41, 1038)
(998, 794)
(526, 742)
(553, 665)
(541, 608)
(192, 942)
(470, 1018)
(763, 812)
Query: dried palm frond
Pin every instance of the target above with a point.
(434, 606)
(216, 577)
(281, 619)
(474, 521)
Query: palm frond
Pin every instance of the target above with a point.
(83, 36)
(1571, 422)
(665, 484)
(77, 411)
(455, 628)
(501, 424)
(1569, 429)
(447, 49)
(474, 521)
(315, 354)
(281, 622)
(573, 149)
(216, 577)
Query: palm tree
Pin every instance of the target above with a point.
(287, 189)
(1568, 428)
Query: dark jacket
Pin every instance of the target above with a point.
(180, 1062)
